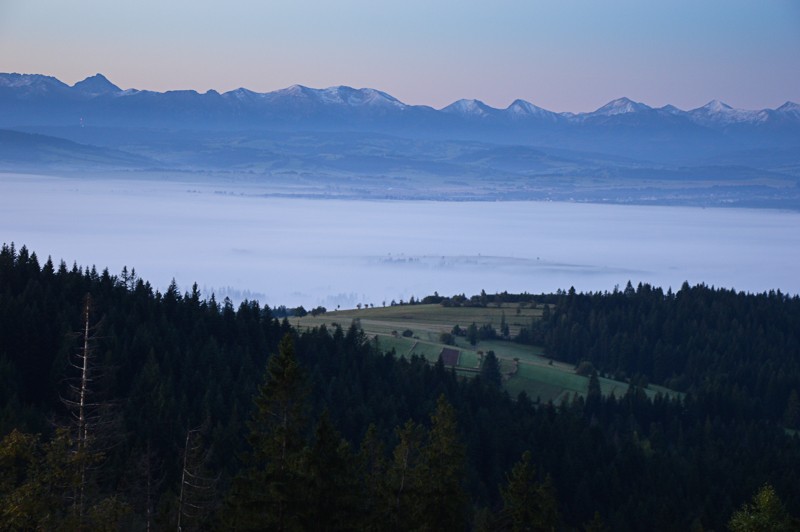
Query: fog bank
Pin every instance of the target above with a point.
(239, 241)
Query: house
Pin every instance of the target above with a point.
(449, 356)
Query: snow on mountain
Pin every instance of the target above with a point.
(471, 108)
(671, 109)
(620, 106)
(243, 95)
(31, 84)
(293, 91)
(717, 106)
(520, 110)
(337, 96)
(332, 95)
(96, 85)
(717, 113)
(343, 95)
(789, 108)
(300, 102)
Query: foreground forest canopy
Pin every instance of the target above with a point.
(123, 407)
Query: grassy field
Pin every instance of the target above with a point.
(428, 321)
(524, 367)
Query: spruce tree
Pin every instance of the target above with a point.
(331, 491)
(270, 491)
(765, 512)
(372, 467)
(443, 501)
(490, 370)
(528, 504)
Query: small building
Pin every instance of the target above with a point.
(450, 356)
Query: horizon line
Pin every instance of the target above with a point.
(474, 100)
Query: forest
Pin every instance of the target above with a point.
(125, 408)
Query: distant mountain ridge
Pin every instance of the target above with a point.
(33, 151)
(98, 92)
(352, 142)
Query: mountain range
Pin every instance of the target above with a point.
(368, 135)
(39, 99)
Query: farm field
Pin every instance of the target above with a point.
(524, 367)
(430, 320)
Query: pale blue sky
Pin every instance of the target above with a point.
(564, 55)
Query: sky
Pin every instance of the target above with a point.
(563, 55)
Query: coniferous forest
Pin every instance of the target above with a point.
(125, 408)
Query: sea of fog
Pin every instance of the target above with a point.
(238, 241)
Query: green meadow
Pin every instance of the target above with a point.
(524, 367)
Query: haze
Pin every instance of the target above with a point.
(235, 241)
(564, 56)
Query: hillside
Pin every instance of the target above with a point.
(424, 330)
(25, 151)
(189, 385)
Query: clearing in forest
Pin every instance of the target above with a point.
(524, 367)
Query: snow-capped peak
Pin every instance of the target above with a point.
(242, 94)
(293, 90)
(15, 80)
(670, 109)
(720, 113)
(343, 95)
(339, 95)
(521, 110)
(789, 107)
(469, 108)
(521, 107)
(716, 106)
(621, 106)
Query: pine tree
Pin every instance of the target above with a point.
(528, 505)
(269, 492)
(331, 491)
(38, 484)
(443, 499)
(472, 333)
(372, 467)
(765, 513)
(25, 493)
(490, 369)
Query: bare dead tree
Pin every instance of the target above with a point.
(197, 493)
(92, 422)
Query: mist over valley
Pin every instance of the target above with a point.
(245, 241)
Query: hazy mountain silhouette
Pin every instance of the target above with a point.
(343, 131)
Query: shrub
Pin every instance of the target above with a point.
(585, 368)
(447, 338)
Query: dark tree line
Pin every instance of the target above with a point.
(172, 362)
(373, 440)
(739, 352)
